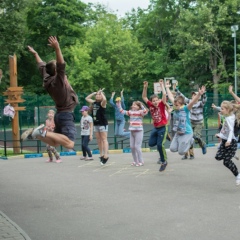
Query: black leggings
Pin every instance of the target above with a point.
(226, 154)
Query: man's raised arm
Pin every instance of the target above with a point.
(53, 42)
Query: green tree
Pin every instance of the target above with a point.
(12, 33)
(61, 18)
(203, 39)
(111, 57)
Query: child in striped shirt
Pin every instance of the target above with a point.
(136, 114)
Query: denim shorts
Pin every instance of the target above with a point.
(98, 128)
(65, 124)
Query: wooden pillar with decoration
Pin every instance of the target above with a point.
(14, 94)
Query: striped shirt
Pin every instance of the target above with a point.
(196, 113)
(136, 118)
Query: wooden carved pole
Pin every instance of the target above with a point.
(14, 97)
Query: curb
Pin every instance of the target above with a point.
(96, 151)
(15, 227)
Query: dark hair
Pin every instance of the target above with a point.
(51, 68)
(153, 96)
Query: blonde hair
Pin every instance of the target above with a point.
(51, 110)
(228, 105)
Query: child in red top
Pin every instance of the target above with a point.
(50, 125)
(160, 120)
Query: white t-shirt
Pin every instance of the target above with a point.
(85, 125)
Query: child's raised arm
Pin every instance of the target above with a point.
(164, 95)
(230, 89)
(169, 93)
(144, 92)
(89, 97)
(201, 91)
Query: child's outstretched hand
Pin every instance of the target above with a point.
(213, 105)
(31, 49)
(145, 84)
(53, 42)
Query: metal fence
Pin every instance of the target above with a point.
(34, 115)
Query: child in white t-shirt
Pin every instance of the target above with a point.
(86, 125)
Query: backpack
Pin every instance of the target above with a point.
(9, 111)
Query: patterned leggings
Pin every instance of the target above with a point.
(226, 154)
(52, 150)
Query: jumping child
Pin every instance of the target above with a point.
(136, 114)
(228, 145)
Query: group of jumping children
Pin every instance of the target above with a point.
(187, 117)
(187, 124)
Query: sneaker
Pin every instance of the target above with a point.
(141, 164)
(184, 157)
(39, 131)
(58, 161)
(191, 157)
(49, 160)
(82, 158)
(27, 134)
(104, 160)
(101, 158)
(137, 165)
(204, 149)
(238, 180)
(163, 166)
(133, 164)
(89, 159)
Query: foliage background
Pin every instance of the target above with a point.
(188, 40)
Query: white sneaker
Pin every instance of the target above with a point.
(27, 134)
(238, 180)
(40, 131)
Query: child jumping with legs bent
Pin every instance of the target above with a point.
(228, 145)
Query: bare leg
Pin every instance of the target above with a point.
(104, 141)
(99, 142)
(56, 139)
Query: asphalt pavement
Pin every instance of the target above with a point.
(82, 200)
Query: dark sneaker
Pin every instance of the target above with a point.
(191, 157)
(104, 160)
(184, 157)
(163, 166)
(27, 134)
(204, 149)
(101, 159)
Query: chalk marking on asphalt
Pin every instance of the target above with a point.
(119, 171)
(86, 164)
(142, 173)
(103, 166)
